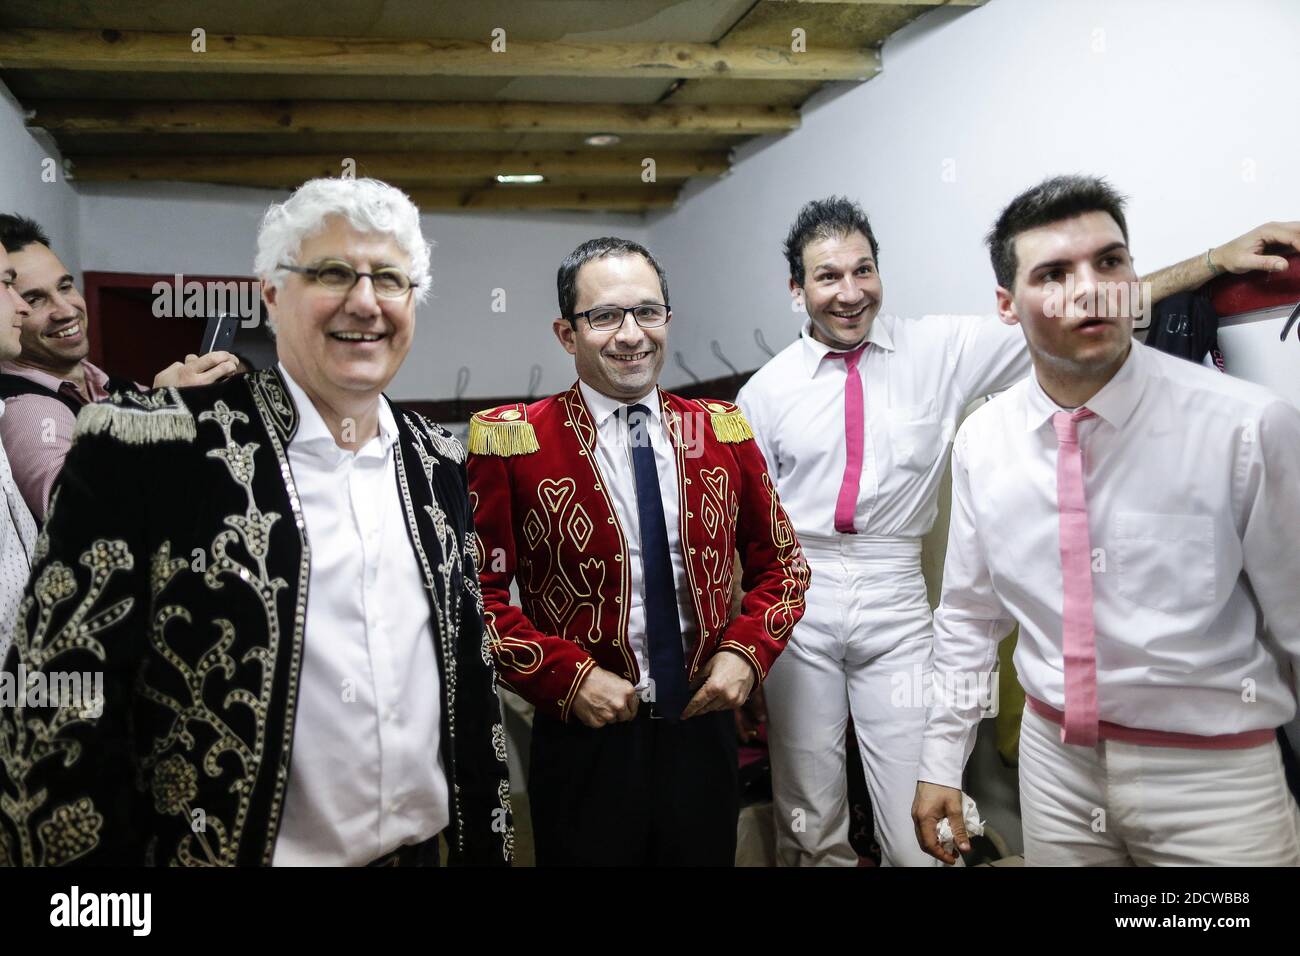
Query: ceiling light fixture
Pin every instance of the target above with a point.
(521, 178)
(603, 139)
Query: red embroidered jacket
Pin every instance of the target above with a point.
(543, 514)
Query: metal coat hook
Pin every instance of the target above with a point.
(686, 368)
(762, 343)
(716, 346)
(534, 379)
(1295, 317)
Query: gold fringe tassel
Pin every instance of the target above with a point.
(136, 427)
(502, 438)
(731, 426)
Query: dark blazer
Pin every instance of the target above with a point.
(175, 562)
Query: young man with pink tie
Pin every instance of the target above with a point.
(1136, 514)
(855, 419)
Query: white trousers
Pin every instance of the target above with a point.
(862, 649)
(1119, 804)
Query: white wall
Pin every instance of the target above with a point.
(1188, 106)
(175, 227)
(24, 186)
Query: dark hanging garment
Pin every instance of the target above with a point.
(1186, 325)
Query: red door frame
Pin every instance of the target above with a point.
(95, 283)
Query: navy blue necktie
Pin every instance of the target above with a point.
(663, 629)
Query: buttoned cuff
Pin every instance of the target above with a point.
(942, 762)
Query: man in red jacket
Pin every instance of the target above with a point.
(618, 507)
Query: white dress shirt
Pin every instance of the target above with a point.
(366, 774)
(17, 539)
(1192, 481)
(918, 375)
(614, 458)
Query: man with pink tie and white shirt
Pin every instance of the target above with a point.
(854, 420)
(1136, 514)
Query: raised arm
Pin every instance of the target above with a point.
(1243, 254)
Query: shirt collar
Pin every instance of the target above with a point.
(601, 407)
(1114, 403)
(96, 378)
(313, 434)
(814, 351)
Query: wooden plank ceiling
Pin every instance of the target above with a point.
(414, 93)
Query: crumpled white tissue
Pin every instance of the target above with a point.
(970, 816)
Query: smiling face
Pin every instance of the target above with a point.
(341, 347)
(54, 335)
(1073, 296)
(624, 363)
(842, 291)
(13, 310)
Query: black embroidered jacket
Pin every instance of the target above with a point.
(175, 563)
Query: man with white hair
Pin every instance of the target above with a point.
(276, 566)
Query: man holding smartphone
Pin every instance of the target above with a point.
(47, 385)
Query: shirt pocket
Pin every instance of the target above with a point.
(915, 435)
(1165, 562)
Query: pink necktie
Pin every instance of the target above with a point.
(847, 502)
(1078, 634)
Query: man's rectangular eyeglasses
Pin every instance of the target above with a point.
(607, 318)
(336, 275)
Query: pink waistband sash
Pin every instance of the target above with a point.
(1162, 738)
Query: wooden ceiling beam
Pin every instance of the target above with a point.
(127, 51)
(603, 198)
(399, 168)
(345, 116)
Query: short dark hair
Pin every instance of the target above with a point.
(19, 232)
(1052, 200)
(825, 219)
(566, 279)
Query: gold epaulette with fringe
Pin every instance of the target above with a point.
(139, 418)
(728, 421)
(503, 431)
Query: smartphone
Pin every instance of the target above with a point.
(219, 335)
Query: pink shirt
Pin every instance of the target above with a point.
(36, 430)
